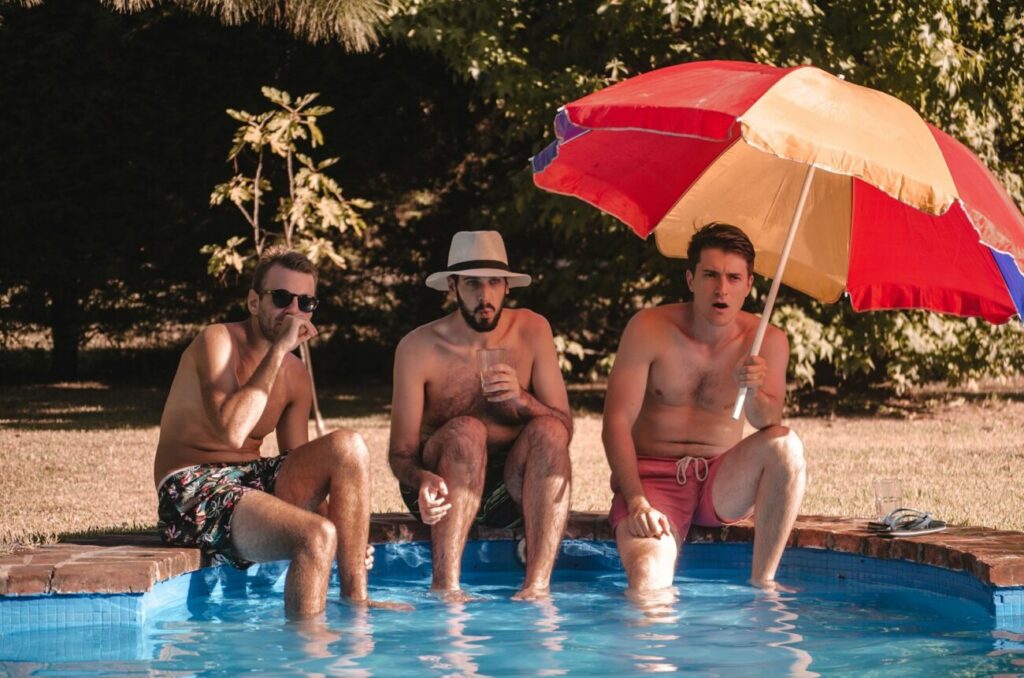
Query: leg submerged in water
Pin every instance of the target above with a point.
(538, 475)
(458, 453)
(766, 473)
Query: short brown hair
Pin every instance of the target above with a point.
(723, 237)
(279, 255)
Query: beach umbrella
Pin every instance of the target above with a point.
(842, 189)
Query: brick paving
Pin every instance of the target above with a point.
(133, 563)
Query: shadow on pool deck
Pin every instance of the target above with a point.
(133, 563)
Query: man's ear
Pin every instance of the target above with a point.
(252, 302)
(689, 279)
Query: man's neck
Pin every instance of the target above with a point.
(255, 341)
(708, 333)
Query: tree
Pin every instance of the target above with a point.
(957, 63)
(352, 23)
(312, 210)
(91, 184)
(113, 131)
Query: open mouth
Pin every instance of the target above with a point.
(720, 305)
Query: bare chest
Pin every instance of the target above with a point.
(453, 388)
(688, 376)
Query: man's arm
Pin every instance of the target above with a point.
(234, 409)
(407, 403)
(766, 376)
(293, 426)
(627, 385)
(549, 397)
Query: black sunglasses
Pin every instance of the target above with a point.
(283, 299)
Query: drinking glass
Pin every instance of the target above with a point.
(487, 358)
(888, 496)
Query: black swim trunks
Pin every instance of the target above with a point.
(497, 508)
(197, 503)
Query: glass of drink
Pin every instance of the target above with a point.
(487, 358)
(888, 496)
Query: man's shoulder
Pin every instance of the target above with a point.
(217, 337)
(423, 337)
(234, 331)
(529, 322)
(664, 316)
(773, 335)
(750, 321)
(772, 332)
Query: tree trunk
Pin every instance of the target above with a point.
(65, 329)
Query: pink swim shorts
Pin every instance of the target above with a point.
(679, 488)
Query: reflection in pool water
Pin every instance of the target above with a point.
(712, 623)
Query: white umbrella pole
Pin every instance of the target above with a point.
(776, 281)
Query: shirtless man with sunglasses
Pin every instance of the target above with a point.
(236, 383)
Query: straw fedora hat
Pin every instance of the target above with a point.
(478, 254)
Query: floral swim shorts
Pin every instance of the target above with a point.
(197, 503)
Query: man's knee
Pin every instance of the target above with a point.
(548, 433)
(462, 440)
(349, 449)
(653, 568)
(786, 449)
(318, 537)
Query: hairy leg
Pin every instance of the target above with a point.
(538, 476)
(265, 528)
(766, 472)
(650, 563)
(458, 453)
(337, 467)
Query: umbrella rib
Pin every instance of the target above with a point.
(729, 137)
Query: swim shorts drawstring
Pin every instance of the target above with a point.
(683, 464)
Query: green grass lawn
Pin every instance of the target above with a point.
(78, 457)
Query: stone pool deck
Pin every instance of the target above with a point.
(133, 563)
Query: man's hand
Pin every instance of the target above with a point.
(434, 504)
(751, 372)
(293, 332)
(647, 521)
(500, 383)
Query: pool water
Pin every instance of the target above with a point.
(233, 623)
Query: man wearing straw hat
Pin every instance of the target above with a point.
(480, 422)
(676, 454)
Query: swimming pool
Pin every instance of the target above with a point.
(852, 615)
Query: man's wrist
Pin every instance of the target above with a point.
(278, 350)
(420, 476)
(637, 503)
(413, 476)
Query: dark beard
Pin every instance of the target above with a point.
(266, 329)
(478, 325)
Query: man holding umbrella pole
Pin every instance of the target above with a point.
(842, 190)
(677, 455)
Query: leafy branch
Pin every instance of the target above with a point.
(312, 210)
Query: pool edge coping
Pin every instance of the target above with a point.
(135, 563)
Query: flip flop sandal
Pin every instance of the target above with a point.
(906, 522)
